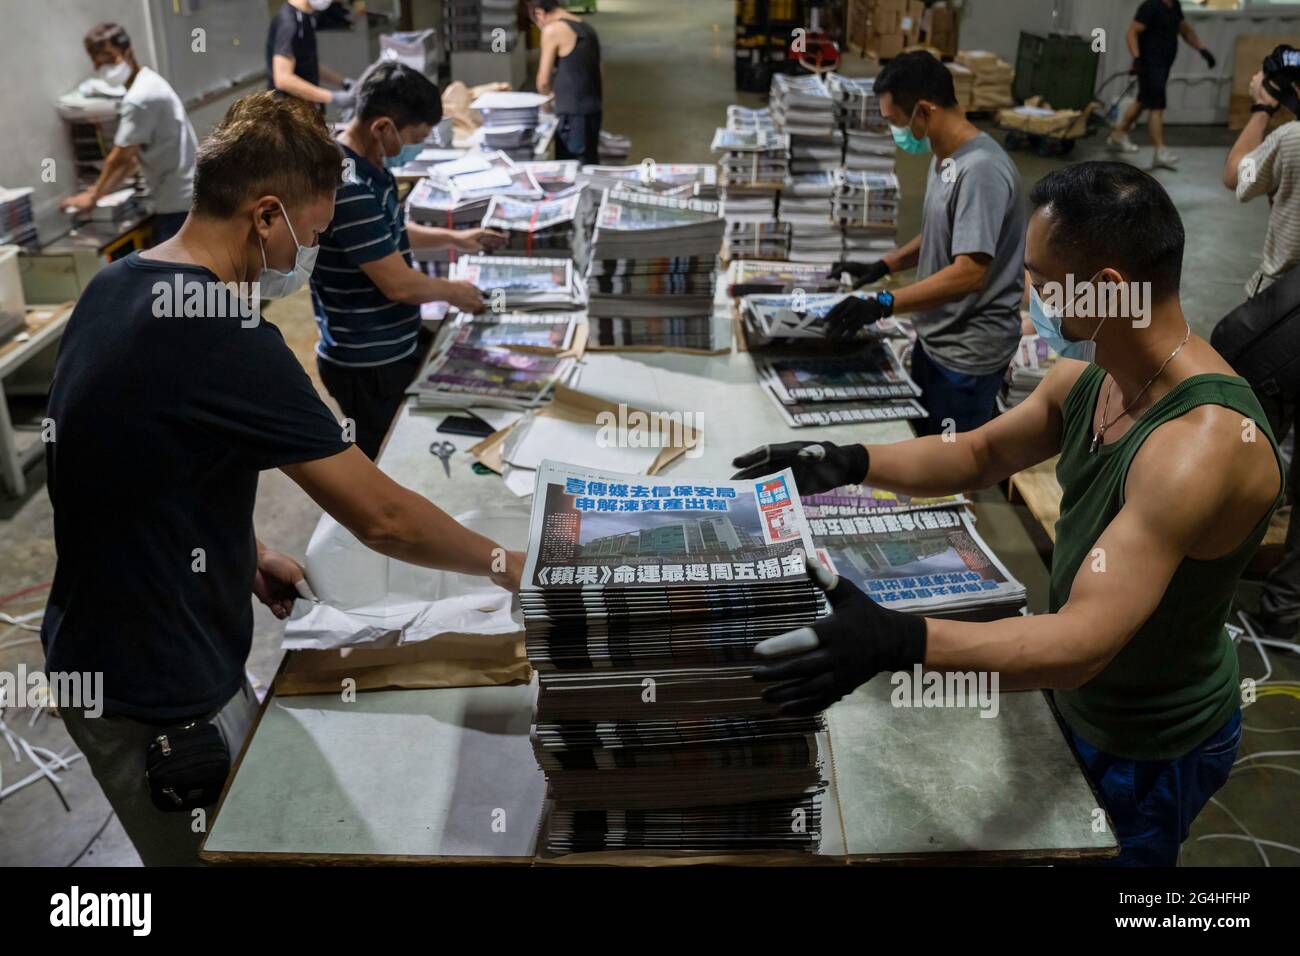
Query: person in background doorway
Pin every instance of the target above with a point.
(1264, 164)
(153, 133)
(570, 68)
(292, 66)
(1153, 41)
(366, 291)
(969, 257)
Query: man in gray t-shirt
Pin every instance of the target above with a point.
(969, 257)
(153, 131)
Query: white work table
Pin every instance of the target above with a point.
(448, 775)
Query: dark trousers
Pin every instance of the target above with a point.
(1153, 802)
(578, 137)
(1280, 600)
(956, 401)
(371, 397)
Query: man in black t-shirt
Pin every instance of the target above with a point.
(170, 395)
(1153, 42)
(292, 66)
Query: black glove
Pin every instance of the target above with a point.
(851, 316)
(815, 666)
(862, 273)
(1209, 59)
(1137, 65)
(817, 466)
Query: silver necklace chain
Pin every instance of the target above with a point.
(1100, 434)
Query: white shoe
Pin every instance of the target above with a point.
(1165, 159)
(1118, 142)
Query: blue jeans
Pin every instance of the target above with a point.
(1153, 802)
(965, 401)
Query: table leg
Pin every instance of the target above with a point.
(11, 466)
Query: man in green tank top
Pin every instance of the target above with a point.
(1169, 475)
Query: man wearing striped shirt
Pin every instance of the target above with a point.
(366, 292)
(1268, 164)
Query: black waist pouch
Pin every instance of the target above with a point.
(187, 766)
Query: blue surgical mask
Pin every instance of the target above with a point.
(907, 141)
(1048, 324)
(408, 153)
(274, 284)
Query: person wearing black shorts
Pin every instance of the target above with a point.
(1153, 41)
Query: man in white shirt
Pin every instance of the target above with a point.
(1264, 164)
(153, 133)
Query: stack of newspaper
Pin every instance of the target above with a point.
(742, 117)
(753, 158)
(762, 240)
(509, 121)
(679, 180)
(464, 375)
(642, 604)
(554, 176)
(651, 272)
(1029, 366)
(868, 384)
(754, 165)
(866, 207)
(759, 277)
(517, 284)
(534, 227)
(868, 144)
(929, 562)
(17, 225)
(486, 25)
(807, 207)
(456, 194)
(551, 332)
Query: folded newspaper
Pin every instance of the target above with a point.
(513, 283)
(464, 375)
(925, 562)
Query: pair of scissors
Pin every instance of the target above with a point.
(444, 450)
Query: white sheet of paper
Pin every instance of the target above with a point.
(488, 179)
(579, 443)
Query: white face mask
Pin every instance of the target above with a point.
(320, 5)
(274, 284)
(115, 74)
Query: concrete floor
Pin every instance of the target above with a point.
(668, 81)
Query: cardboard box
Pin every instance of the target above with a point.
(888, 47)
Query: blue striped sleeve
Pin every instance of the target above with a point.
(361, 231)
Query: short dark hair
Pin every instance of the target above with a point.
(912, 77)
(546, 6)
(1113, 214)
(104, 35)
(267, 144)
(403, 94)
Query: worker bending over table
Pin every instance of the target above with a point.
(153, 133)
(366, 289)
(1169, 474)
(969, 257)
(167, 364)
